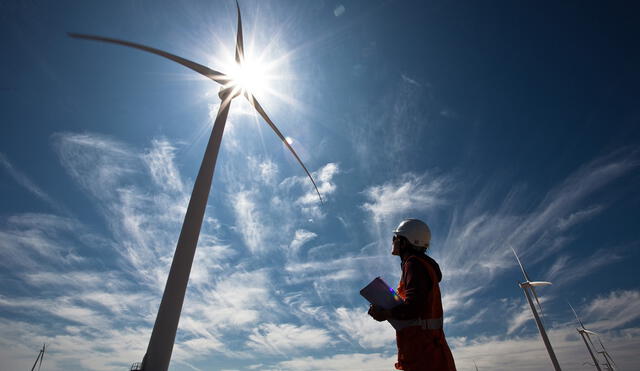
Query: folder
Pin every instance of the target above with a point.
(379, 293)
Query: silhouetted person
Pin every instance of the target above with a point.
(421, 345)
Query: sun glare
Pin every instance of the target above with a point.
(250, 76)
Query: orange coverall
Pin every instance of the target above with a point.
(421, 347)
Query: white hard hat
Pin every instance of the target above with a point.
(415, 231)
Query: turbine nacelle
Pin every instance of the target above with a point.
(583, 330)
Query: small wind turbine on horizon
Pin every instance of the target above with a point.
(162, 339)
(531, 285)
(39, 358)
(586, 337)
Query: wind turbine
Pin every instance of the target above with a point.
(586, 336)
(531, 285)
(40, 358)
(160, 346)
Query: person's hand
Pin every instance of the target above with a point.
(378, 313)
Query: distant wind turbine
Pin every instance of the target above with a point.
(531, 285)
(586, 337)
(160, 346)
(39, 358)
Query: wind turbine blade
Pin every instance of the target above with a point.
(262, 113)
(539, 283)
(589, 332)
(216, 76)
(239, 41)
(576, 314)
(526, 276)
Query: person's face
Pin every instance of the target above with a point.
(395, 245)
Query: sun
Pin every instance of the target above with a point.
(250, 76)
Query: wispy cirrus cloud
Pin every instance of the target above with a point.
(286, 338)
(356, 326)
(411, 193)
(477, 231)
(566, 269)
(609, 312)
(348, 361)
(30, 185)
(142, 197)
(300, 238)
(249, 224)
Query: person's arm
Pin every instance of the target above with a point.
(417, 285)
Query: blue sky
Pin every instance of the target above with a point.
(501, 125)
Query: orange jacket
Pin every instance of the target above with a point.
(423, 347)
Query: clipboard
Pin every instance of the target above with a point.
(379, 293)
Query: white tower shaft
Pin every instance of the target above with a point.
(586, 343)
(163, 336)
(543, 333)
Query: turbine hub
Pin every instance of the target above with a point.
(229, 91)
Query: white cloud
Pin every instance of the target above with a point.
(479, 237)
(409, 80)
(29, 240)
(96, 162)
(357, 325)
(519, 317)
(453, 300)
(326, 186)
(614, 310)
(579, 217)
(268, 171)
(160, 161)
(236, 300)
(285, 338)
(566, 270)
(248, 221)
(340, 362)
(528, 352)
(30, 185)
(300, 238)
(339, 10)
(411, 193)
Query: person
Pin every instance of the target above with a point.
(421, 343)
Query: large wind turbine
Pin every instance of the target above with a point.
(531, 285)
(160, 346)
(586, 337)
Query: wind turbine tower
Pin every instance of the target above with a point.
(529, 289)
(611, 364)
(160, 346)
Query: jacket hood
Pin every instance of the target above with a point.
(428, 259)
(435, 266)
